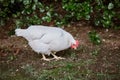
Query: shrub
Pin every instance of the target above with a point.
(77, 10)
(99, 12)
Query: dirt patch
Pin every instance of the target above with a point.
(15, 52)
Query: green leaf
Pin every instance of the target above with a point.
(12, 1)
(97, 22)
(18, 23)
(36, 1)
(110, 6)
(46, 18)
(34, 7)
(27, 2)
(48, 14)
(87, 17)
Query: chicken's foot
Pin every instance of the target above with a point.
(44, 58)
(56, 57)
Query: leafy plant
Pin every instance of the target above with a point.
(94, 37)
(105, 15)
(99, 12)
(49, 14)
(107, 19)
(77, 10)
(8, 9)
(60, 22)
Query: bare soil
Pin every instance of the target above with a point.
(15, 52)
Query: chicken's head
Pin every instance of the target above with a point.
(75, 45)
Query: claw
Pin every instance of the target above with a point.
(45, 59)
(56, 57)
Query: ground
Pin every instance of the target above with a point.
(89, 62)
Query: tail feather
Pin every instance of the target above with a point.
(19, 32)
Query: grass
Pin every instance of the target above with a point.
(73, 68)
(62, 70)
(59, 70)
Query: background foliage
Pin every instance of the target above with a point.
(27, 12)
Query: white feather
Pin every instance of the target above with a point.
(43, 39)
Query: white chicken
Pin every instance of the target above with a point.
(47, 40)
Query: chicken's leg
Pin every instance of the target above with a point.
(44, 58)
(56, 57)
